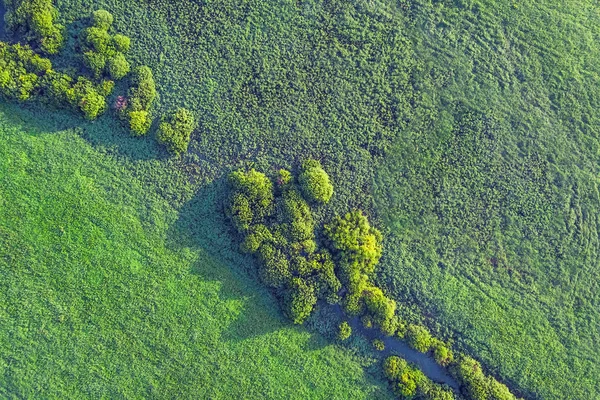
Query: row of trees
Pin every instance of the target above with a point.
(275, 221)
(27, 76)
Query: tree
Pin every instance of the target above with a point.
(315, 183)
(344, 331)
(175, 131)
(419, 338)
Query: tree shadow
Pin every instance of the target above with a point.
(202, 224)
(106, 133)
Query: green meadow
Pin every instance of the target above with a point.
(467, 130)
(119, 282)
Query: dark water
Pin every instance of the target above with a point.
(2, 23)
(395, 346)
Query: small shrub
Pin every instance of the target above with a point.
(139, 122)
(102, 19)
(176, 130)
(378, 344)
(442, 353)
(118, 66)
(344, 331)
(419, 338)
(315, 183)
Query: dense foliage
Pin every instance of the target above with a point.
(24, 75)
(408, 382)
(35, 21)
(142, 93)
(176, 129)
(103, 53)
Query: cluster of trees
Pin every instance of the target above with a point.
(176, 129)
(277, 225)
(409, 382)
(357, 248)
(103, 53)
(35, 20)
(24, 76)
(476, 384)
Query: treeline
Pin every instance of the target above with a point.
(275, 222)
(27, 76)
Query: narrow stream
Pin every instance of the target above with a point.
(395, 346)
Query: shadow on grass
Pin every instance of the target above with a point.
(106, 133)
(202, 224)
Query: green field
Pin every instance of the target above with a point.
(468, 130)
(111, 288)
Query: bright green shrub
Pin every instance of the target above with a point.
(442, 353)
(118, 66)
(122, 43)
(419, 338)
(344, 331)
(175, 131)
(36, 19)
(139, 122)
(381, 308)
(356, 241)
(315, 183)
(300, 300)
(102, 19)
(378, 344)
(477, 386)
(97, 40)
(367, 321)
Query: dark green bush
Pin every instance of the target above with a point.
(344, 331)
(21, 71)
(274, 270)
(256, 236)
(175, 131)
(36, 20)
(315, 183)
(300, 300)
(103, 52)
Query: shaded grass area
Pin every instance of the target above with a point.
(109, 288)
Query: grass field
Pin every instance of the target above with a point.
(112, 289)
(468, 130)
